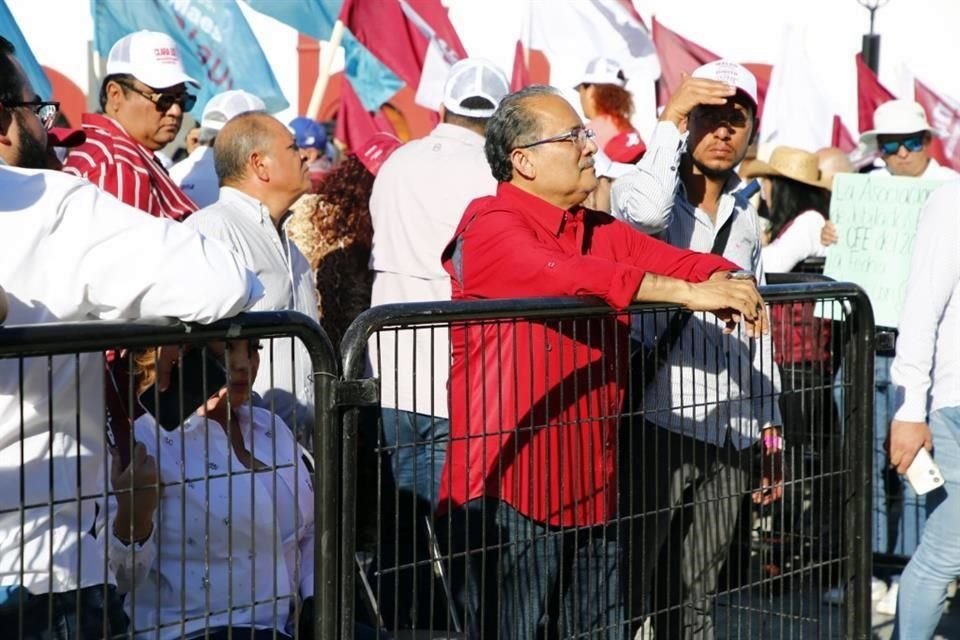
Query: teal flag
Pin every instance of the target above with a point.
(373, 82)
(10, 31)
(216, 43)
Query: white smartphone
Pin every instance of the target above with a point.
(924, 474)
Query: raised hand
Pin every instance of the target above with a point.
(138, 494)
(692, 93)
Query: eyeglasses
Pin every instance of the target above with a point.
(45, 110)
(163, 100)
(577, 135)
(912, 143)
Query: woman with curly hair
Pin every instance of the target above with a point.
(333, 230)
(608, 107)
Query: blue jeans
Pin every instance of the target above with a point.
(898, 513)
(564, 579)
(417, 445)
(936, 562)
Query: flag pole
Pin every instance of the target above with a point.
(327, 54)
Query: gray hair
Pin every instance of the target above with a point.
(240, 138)
(512, 125)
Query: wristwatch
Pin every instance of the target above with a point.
(742, 274)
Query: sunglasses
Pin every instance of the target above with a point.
(913, 143)
(45, 110)
(163, 100)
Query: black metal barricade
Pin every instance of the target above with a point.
(566, 479)
(130, 510)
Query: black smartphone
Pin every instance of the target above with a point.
(165, 406)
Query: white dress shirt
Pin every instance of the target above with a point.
(71, 253)
(718, 386)
(796, 243)
(197, 177)
(926, 370)
(244, 224)
(220, 532)
(418, 198)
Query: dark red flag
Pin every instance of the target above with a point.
(944, 116)
(398, 32)
(677, 55)
(521, 76)
(841, 138)
(356, 125)
(870, 94)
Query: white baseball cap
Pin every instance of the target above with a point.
(603, 71)
(225, 106)
(151, 57)
(731, 73)
(896, 117)
(474, 78)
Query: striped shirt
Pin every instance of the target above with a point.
(719, 387)
(121, 166)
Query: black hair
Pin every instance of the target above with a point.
(789, 198)
(123, 79)
(11, 82)
(512, 125)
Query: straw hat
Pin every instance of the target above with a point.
(787, 162)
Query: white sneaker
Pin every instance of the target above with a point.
(887, 605)
(836, 595)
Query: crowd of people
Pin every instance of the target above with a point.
(511, 195)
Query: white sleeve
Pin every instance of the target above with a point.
(644, 197)
(133, 265)
(766, 372)
(934, 273)
(800, 241)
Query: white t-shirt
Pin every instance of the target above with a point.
(197, 177)
(801, 240)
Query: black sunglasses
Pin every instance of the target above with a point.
(163, 100)
(44, 109)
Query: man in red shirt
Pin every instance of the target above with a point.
(534, 405)
(143, 98)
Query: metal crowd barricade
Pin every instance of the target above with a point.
(230, 543)
(545, 386)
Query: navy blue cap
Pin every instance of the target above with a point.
(309, 134)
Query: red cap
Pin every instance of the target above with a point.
(375, 151)
(64, 137)
(626, 146)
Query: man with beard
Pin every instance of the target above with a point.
(714, 399)
(23, 137)
(143, 98)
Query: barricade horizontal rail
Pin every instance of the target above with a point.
(542, 504)
(130, 510)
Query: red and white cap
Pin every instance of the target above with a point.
(151, 57)
(65, 137)
(731, 73)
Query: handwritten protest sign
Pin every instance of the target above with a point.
(876, 218)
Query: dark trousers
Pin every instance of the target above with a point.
(558, 582)
(90, 613)
(681, 504)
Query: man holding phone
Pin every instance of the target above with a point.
(926, 377)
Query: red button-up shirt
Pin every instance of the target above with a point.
(122, 167)
(534, 406)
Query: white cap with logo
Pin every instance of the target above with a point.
(225, 106)
(151, 57)
(603, 71)
(474, 78)
(896, 117)
(736, 75)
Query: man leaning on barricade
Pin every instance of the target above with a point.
(534, 405)
(705, 401)
(74, 253)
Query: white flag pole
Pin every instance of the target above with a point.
(327, 54)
